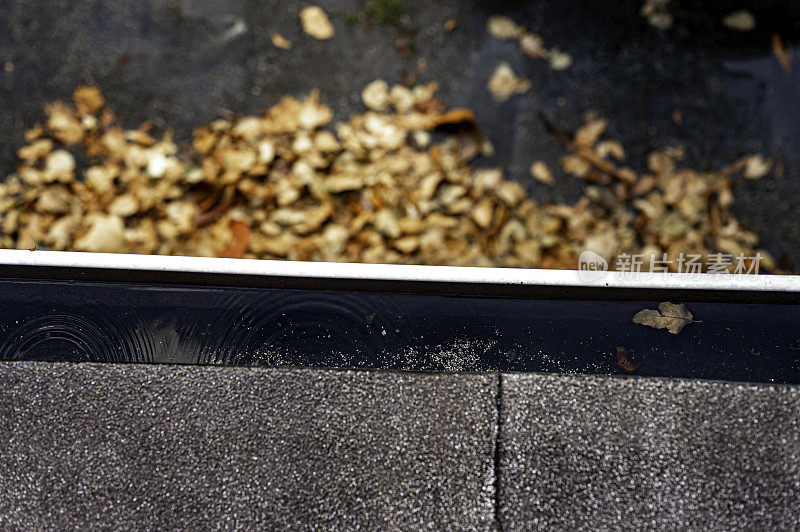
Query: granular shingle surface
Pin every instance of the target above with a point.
(153, 447)
(602, 452)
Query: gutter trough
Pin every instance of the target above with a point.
(70, 307)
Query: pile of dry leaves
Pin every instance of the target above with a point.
(378, 189)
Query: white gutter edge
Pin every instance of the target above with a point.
(395, 272)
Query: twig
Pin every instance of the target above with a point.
(565, 137)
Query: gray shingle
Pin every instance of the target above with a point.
(128, 446)
(585, 451)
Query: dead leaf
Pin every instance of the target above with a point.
(315, 23)
(450, 25)
(780, 52)
(377, 187)
(88, 99)
(657, 13)
(624, 360)
(533, 46)
(504, 83)
(281, 42)
(741, 20)
(216, 209)
(668, 316)
(503, 28)
(454, 116)
(376, 95)
(241, 239)
(542, 173)
(590, 132)
(559, 60)
(756, 166)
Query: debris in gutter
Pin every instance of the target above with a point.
(669, 316)
(624, 360)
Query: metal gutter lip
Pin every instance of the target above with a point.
(114, 266)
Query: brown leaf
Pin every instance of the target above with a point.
(316, 23)
(542, 173)
(668, 316)
(504, 83)
(205, 217)
(241, 239)
(280, 41)
(590, 132)
(88, 99)
(503, 28)
(624, 360)
(756, 166)
(453, 116)
(780, 52)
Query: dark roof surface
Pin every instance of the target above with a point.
(176, 64)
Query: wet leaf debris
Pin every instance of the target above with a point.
(289, 184)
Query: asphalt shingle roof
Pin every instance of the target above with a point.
(181, 447)
(157, 446)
